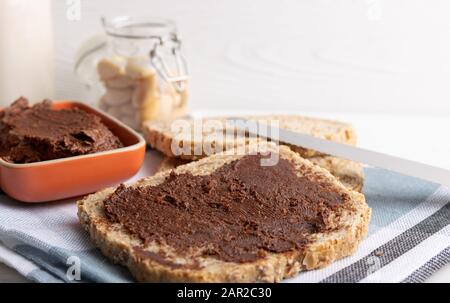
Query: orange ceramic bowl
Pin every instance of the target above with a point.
(75, 176)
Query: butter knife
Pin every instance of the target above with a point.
(372, 158)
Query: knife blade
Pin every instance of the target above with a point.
(372, 158)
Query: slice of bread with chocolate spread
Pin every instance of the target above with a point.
(166, 136)
(228, 218)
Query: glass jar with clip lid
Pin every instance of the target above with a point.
(136, 70)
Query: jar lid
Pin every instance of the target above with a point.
(139, 27)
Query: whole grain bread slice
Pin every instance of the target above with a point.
(168, 137)
(349, 173)
(115, 242)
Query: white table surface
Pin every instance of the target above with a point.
(417, 138)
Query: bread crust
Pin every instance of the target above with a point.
(159, 135)
(117, 244)
(349, 173)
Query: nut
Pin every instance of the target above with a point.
(120, 82)
(150, 110)
(147, 91)
(138, 68)
(165, 107)
(110, 67)
(116, 97)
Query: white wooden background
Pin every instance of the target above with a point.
(361, 56)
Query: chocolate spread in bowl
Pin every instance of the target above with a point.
(238, 213)
(40, 133)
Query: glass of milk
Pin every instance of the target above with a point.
(26, 52)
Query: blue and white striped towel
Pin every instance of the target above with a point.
(409, 237)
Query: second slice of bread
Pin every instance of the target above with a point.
(161, 136)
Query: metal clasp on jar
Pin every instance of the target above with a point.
(179, 80)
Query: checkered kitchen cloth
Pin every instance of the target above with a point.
(409, 238)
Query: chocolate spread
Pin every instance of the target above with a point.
(238, 213)
(39, 133)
